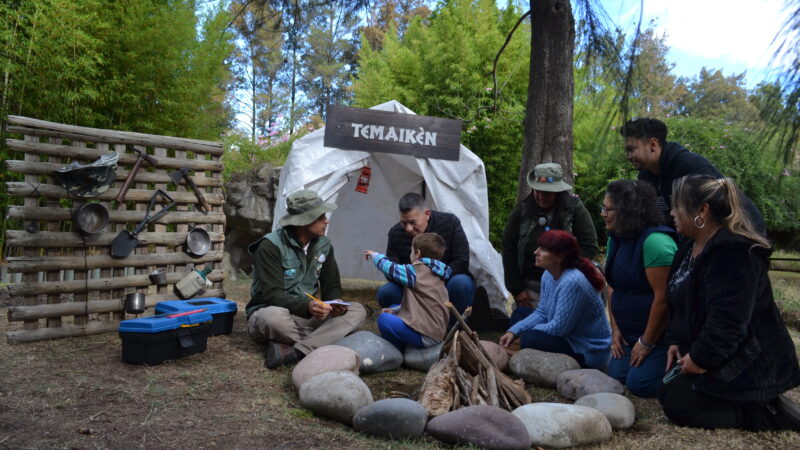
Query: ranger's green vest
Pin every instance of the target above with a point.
(529, 229)
(300, 271)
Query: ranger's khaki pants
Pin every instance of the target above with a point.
(274, 323)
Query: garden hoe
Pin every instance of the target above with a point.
(183, 174)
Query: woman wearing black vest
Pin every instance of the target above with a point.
(638, 257)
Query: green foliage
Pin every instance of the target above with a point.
(242, 155)
(442, 67)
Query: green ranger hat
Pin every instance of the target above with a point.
(548, 177)
(303, 207)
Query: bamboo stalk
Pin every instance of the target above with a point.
(44, 213)
(20, 238)
(29, 126)
(90, 154)
(19, 189)
(142, 176)
(97, 284)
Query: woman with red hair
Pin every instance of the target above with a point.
(570, 318)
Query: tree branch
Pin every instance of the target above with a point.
(500, 52)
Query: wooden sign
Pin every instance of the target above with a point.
(389, 132)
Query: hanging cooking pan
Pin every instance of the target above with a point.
(198, 242)
(90, 218)
(126, 241)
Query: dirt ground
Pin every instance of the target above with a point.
(78, 393)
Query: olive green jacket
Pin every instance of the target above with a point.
(283, 272)
(522, 232)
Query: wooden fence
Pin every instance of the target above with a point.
(70, 285)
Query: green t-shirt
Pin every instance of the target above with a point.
(659, 250)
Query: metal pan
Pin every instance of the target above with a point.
(198, 242)
(90, 218)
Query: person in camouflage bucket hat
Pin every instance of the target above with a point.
(550, 206)
(304, 207)
(294, 267)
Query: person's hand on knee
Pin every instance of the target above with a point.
(507, 339)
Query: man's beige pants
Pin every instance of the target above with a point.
(274, 323)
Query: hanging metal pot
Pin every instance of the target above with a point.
(135, 303)
(198, 242)
(90, 218)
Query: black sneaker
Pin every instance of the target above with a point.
(277, 354)
(788, 412)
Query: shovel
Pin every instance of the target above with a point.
(126, 241)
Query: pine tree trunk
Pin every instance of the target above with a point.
(548, 119)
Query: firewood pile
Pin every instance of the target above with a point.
(466, 376)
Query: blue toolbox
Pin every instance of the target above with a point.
(155, 339)
(222, 310)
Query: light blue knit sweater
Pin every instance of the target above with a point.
(571, 308)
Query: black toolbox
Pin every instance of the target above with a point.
(155, 339)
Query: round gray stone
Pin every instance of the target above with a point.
(336, 395)
(377, 354)
(483, 426)
(329, 358)
(497, 353)
(421, 358)
(559, 425)
(541, 368)
(618, 409)
(392, 418)
(577, 383)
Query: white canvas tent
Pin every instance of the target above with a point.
(362, 221)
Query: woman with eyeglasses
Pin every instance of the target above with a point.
(735, 355)
(638, 257)
(570, 317)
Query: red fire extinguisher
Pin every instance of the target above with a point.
(363, 180)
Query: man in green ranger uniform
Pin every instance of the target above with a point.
(289, 266)
(550, 206)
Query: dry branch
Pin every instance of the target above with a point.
(467, 376)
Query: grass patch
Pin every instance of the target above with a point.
(77, 393)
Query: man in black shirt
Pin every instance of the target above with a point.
(660, 163)
(416, 219)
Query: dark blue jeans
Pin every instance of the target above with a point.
(460, 289)
(394, 330)
(540, 340)
(645, 380)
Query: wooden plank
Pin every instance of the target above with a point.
(95, 327)
(91, 154)
(21, 189)
(53, 273)
(173, 216)
(81, 276)
(142, 176)
(21, 238)
(106, 270)
(31, 202)
(161, 250)
(17, 313)
(113, 136)
(26, 264)
(81, 285)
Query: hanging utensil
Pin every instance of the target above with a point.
(90, 218)
(198, 242)
(126, 241)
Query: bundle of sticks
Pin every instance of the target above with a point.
(465, 375)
